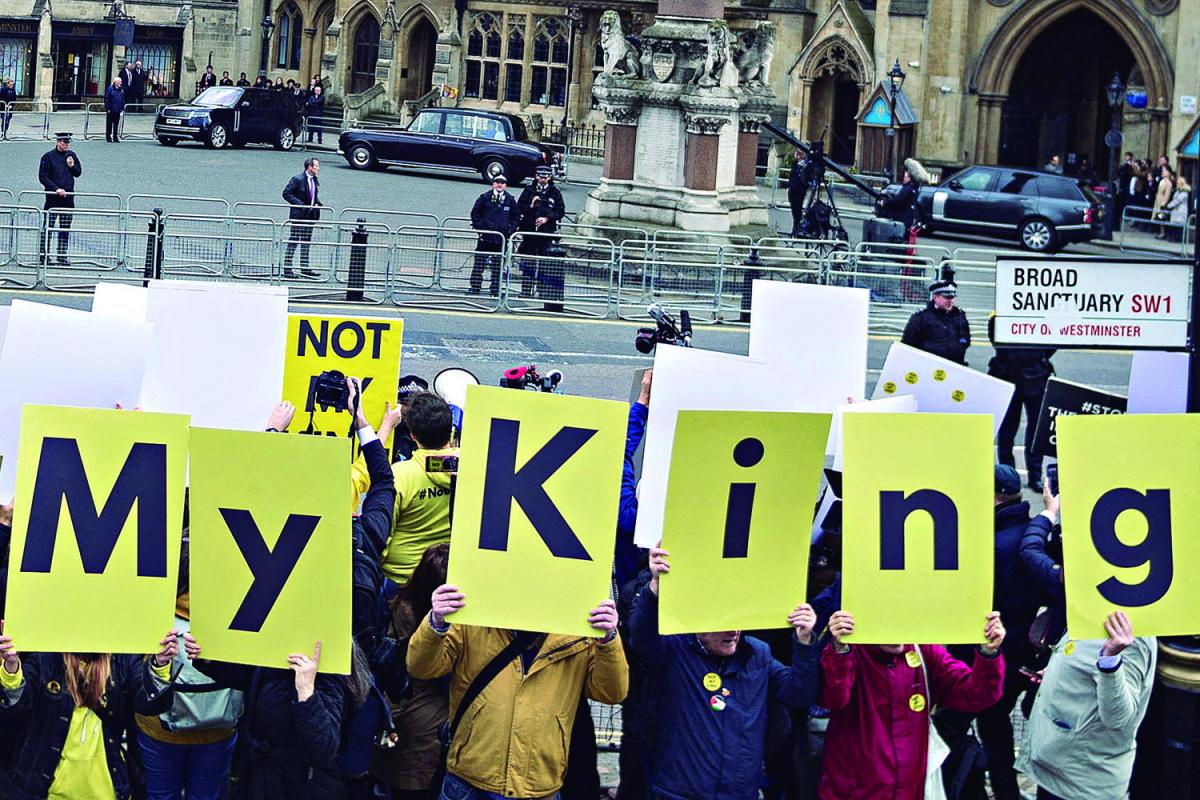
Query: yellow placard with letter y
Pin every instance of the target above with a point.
(917, 548)
(1130, 511)
(97, 525)
(738, 518)
(270, 547)
(367, 348)
(535, 509)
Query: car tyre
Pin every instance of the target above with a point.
(361, 157)
(493, 167)
(167, 141)
(1038, 235)
(217, 136)
(285, 139)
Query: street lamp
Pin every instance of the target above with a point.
(1115, 92)
(267, 25)
(895, 82)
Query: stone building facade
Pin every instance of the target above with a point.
(998, 81)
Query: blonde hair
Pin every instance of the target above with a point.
(87, 677)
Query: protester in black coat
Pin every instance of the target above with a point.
(1028, 369)
(940, 328)
(496, 216)
(40, 708)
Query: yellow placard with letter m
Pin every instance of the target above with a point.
(1130, 512)
(917, 547)
(737, 518)
(535, 509)
(97, 526)
(367, 348)
(270, 547)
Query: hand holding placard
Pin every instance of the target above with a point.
(1120, 634)
(803, 619)
(446, 600)
(659, 565)
(993, 633)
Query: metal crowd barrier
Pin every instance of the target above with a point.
(82, 247)
(322, 135)
(25, 120)
(561, 272)
(1135, 217)
(20, 256)
(442, 268)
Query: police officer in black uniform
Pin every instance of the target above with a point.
(940, 328)
(57, 173)
(1028, 369)
(496, 217)
(542, 207)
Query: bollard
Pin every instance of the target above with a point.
(358, 262)
(752, 264)
(154, 248)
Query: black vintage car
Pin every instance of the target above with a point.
(453, 139)
(1041, 210)
(232, 115)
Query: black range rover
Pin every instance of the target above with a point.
(1041, 210)
(452, 139)
(232, 115)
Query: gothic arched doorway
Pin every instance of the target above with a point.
(420, 52)
(365, 55)
(1041, 75)
(835, 81)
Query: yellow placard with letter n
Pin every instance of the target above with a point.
(917, 548)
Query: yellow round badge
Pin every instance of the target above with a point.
(958, 395)
(1070, 648)
(939, 374)
(889, 388)
(910, 377)
(917, 702)
(712, 681)
(913, 659)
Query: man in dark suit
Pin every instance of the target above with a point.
(57, 173)
(126, 75)
(136, 85)
(302, 194)
(496, 216)
(208, 79)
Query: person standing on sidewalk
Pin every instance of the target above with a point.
(496, 216)
(314, 107)
(303, 195)
(8, 96)
(57, 172)
(114, 106)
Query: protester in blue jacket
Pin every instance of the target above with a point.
(713, 693)
(629, 558)
(1037, 544)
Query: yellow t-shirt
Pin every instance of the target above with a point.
(82, 772)
(422, 514)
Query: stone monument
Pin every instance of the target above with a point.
(683, 106)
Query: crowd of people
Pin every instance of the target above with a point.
(434, 709)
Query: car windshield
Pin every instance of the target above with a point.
(219, 97)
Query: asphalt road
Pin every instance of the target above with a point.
(596, 356)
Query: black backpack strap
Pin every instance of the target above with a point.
(521, 641)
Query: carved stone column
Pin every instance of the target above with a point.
(620, 142)
(703, 152)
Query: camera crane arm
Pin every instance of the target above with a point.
(838, 169)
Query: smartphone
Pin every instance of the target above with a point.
(1052, 478)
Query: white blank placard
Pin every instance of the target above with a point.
(816, 336)
(902, 404)
(63, 357)
(1158, 382)
(120, 300)
(218, 352)
(941, 386)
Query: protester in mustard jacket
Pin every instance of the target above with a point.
(513, 739)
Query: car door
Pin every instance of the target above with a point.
(1014, 197)
(255, 114)
(456, 144)
(420, 143)
(960, 201)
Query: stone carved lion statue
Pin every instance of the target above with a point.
(720, 52)
(621, 57)
(754, 63)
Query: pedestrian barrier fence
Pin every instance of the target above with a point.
(1139, 222)
(413, 259)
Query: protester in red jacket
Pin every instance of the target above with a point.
(878, 733)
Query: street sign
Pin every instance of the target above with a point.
(1064, 399)
(1060, 302)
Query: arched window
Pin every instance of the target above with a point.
(290, 28)
(551, 47)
